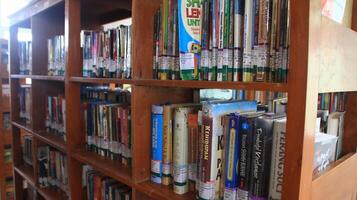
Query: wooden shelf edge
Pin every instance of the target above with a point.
(113, 169)
(278, 87)
(22, 126)
(39, 77)
(101, 80)
(324, 186)
(158, 191)
(27, 173)
(49, 193)
(338, 45)
(51, 140)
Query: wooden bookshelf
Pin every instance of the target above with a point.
(321, 60)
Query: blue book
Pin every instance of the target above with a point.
(232, 156)
(156, 143)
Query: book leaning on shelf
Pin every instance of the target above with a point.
(99, 186)
(107, 54)
(209, 40)
(52, 168)
(25, 104)
(27, 149)
(107, 119)
(55, 116)
(220, 149)
(25, 57)
(56, 56)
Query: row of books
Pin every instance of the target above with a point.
(25, 57)
(27, 149)
(332, 102)
(56, 56)
(107, 54)
(100, 186)
(9, 188)
(218, 149)
(56, 115)
(25, 103)
(222, 40)
(52, 168)
(107, 120)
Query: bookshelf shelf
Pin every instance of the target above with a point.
(157, 191)
(52, 140)
(22, 126)
(114, 169)
(48, 193)
(26, 172)
(101, 80)
(337, 61)
(321, 59)
(278, 87)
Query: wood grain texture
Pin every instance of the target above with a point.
(338, 57)
(303, 76)
(325, 186)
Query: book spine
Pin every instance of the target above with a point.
(156, 144)
(232, 155)
(207, 185)
(189, 38)
(192, 150)
(261, 157)
(226, 29)
(238, 39)
(214, 38)
(278, 157)
(180, 149)
(262, 51)
(231, 42)
(246, 126)
(167, 145)
(204, 63)
(248, 41)
(255, 36)
(220, 54)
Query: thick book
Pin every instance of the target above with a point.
(181, 147)
(247, 126)
(189, 13)
(261, 157)
(278, 157)
(167, 144)
(231, 158)
(211, 166)
(335, 125)
(156, 143)
(192, 149)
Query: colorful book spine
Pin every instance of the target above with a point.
(156, 143)
(278, 157)
(156, 45)
(246, 125)
(230, 42)
(248, 41)
(220, 55)
(214, 36)
(167, 144)
(189, 38)
(232, 156)
(211, 172)
(264, 31)
(180, 148)
(261, 158)
(205, 39)
(226, 29)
